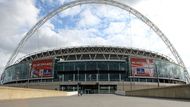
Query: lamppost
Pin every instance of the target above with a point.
(123, 85)
(131, 83)
(29, 71)
(157, 75)
(17, 77)
(98, 74)
(78, 79)
(98, 80)
(131, 78)
(130, 71)
(28, 78)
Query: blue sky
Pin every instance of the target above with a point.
(46, 6)
(70, 21)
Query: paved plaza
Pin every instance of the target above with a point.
(95, 100)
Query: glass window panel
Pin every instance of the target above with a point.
(114, 77)
(103, 77)
(102, 66)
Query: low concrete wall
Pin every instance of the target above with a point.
(130, 86)
(123, 93)
(180, 92)
(9, 93)
(43, 85)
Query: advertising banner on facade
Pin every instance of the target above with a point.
(142, 67)
(42, 68)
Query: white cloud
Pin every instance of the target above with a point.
(113, 13)
(116, 27)
(16, 18)
(88, 19)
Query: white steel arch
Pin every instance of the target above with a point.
(107, 2)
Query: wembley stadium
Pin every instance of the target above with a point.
(95, 69)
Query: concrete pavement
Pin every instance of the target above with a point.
(95, 100)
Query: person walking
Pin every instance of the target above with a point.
(78, 92)
(81, 92)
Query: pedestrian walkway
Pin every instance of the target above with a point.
(95, 100)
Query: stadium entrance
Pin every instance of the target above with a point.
(90, 89)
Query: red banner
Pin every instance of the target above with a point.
(42, 68)
(142, 67)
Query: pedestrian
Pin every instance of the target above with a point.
(81, 92)
(78, 92)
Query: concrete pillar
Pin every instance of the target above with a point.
(97, 77)
(63, 77)
(73, 77)
(98, 88)
(108, 76)
(119, 77)
(108, 89)
(85, 77)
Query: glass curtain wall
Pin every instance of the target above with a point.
(16, 72)
(169, 70)
(92, 70)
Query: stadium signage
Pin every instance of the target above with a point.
(142, 67)
(42, 68)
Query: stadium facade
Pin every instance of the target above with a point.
(95, 69)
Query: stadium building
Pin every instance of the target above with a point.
(95, 69)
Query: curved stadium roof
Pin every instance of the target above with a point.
(92, 50)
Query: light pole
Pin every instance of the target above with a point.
(78, 79)
(131, 78)
(29, 71)
(16, 78)
(28, 79)
(98, 74)
(123, 85)
(157, 75)
(130, 70)
(98, 81)
(131, 83)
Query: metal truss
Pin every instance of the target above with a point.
(106, 2)
(93, 53)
